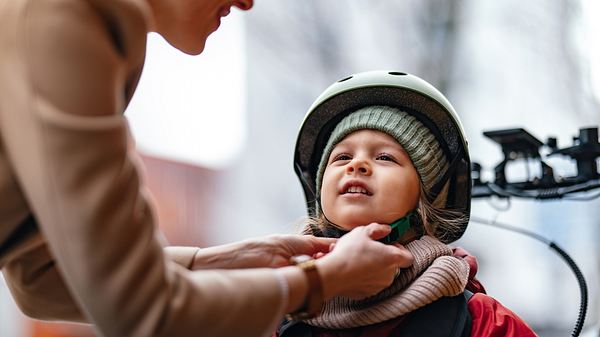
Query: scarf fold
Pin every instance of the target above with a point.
(434, 274)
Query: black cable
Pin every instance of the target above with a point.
(512, 229)
(508, 192)
(499, 190)
(582, 288)
(547, 193)
(578, 274)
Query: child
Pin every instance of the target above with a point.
(387, 147)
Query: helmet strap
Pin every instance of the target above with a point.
(400, 226)
(436, 189)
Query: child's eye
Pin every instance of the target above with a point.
(385, 157)
(342, 156)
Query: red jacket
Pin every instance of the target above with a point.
(490, 318)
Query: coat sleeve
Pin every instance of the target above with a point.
(69, 146)
(29, 276)
(492, 319)
(38, 287)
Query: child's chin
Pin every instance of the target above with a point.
(351, 218)
(348, 226)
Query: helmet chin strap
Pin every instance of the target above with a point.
(400, 226)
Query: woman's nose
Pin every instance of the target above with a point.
(359, 166)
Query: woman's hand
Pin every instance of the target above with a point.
(358, 266)
(265, 252)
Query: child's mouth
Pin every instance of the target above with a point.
(355, 188)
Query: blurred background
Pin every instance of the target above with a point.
(217, 131)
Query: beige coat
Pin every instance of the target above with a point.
(67, 71)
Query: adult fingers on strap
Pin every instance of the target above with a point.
(377, 231)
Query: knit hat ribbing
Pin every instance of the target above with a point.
(416, 139)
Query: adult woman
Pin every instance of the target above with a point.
(76, 230)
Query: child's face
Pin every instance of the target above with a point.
(368, 178)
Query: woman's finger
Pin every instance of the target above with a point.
(322, 244)
(377, 231)
(402, 256)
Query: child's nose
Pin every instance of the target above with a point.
(359, 166)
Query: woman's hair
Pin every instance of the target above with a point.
(436, 222)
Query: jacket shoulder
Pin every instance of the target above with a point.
(95, 48)
(125, 22)
(491, 318)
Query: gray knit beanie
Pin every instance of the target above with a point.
(416, 139)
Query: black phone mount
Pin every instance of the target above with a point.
(520, 144)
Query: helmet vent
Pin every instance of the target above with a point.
(397, 73)
(345, 79)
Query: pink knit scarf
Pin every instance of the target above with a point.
(435, 273)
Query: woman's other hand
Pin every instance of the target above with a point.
(272, 251)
